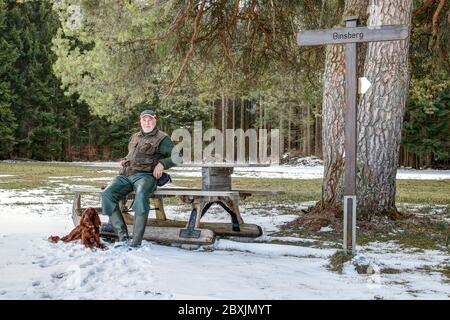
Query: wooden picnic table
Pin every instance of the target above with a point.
(216, 189)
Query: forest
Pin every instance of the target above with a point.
(58, 100)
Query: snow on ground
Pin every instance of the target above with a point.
(33, 268)
(59, 179)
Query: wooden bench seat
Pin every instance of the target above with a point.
(190, 192)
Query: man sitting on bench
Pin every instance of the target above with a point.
(149, 154)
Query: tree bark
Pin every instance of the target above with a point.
(333, 115)
(318, 135)
(242, 112)
(380, 113)
(213, 121)
(224, 120)
(233, 126)
(280, 119)
(289, 127)
(308, 130)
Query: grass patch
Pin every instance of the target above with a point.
(411, 231)
(445, 270)
(423, 191)
(14, 184)
(338, 260)
(295, 190)
(36, 175)
(425, 231)
(390, 271)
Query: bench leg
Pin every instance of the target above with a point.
(198, 205)
(233, 204)
(159, 208)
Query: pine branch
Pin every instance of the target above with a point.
(190, 51)
(435, 25)
(423, 8)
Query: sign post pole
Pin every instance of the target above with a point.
(350, 140)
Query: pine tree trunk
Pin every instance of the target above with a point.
(318, 135)
(308, 130)
(280, 126)
(224, 121)
(242, 112)
(303, 133)
(289, 127)
(380, 113)
(333, 115)
(234, 114)
(213, 121)
(69, 147)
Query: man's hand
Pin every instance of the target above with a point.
(157, 172)
(122, 163)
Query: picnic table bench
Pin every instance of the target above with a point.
(216, 189)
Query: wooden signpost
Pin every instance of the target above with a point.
(350, 36)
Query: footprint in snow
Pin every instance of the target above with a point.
(87, 264)
(36, 283)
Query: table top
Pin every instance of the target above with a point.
(222, 165)
(175, 191)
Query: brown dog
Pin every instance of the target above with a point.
(88, 230)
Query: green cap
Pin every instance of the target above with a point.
(148, 113)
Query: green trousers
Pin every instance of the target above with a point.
(142, 183)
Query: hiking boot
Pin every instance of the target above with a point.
(120, 226)
(140, 221)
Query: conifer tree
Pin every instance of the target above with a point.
(8, 56)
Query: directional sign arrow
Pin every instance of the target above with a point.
(363, 85)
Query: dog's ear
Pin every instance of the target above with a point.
(83, 218)
(97, 221)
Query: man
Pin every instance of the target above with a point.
(149, 154)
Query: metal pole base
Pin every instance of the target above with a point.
(349, 227)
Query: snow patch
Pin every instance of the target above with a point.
(33, 268)
(326, 229)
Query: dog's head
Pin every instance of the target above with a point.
(90, 218)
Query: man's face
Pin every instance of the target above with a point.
(148, 123)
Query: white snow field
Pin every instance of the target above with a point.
(33, 268)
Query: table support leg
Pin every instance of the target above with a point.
(234, 216)
(190, 231)
(234, 219)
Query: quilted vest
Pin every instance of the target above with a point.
(143, 153)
